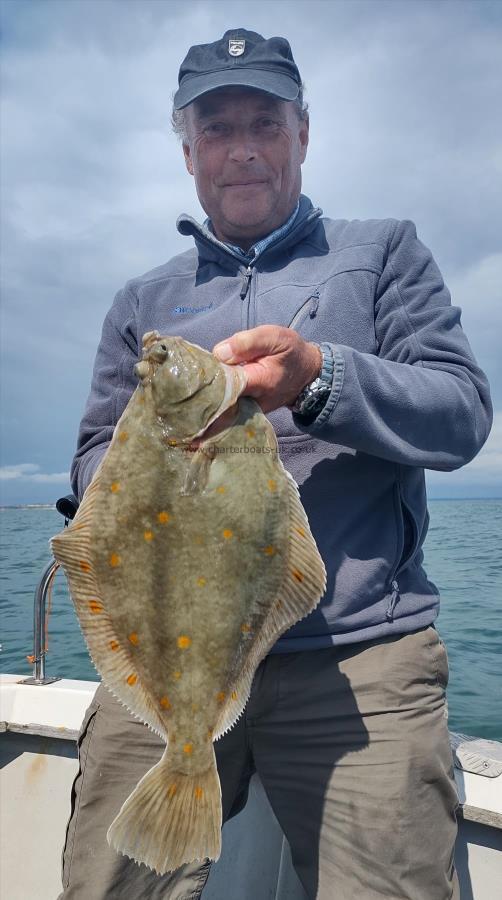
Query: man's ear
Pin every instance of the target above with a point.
(188, 157)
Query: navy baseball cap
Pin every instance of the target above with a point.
(242, 58)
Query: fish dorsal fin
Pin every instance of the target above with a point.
(298, 595)
(72, 548)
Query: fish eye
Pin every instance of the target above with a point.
(163, 347)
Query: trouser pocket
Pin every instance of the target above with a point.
(440, 658)
(83, 743)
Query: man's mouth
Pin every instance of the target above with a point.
(243, 183)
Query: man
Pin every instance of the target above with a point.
(353, 349)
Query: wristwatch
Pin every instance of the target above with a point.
(313, 397)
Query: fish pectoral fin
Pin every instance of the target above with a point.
(170, 818)
(197, 475)
(72, 549)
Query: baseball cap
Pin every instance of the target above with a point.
(242, 58)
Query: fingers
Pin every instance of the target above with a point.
(265, 340)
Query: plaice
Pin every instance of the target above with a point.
(185, 567)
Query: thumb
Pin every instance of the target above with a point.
(244, 346)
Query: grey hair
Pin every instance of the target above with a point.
(178, 123)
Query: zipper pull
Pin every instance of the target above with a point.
(394, 597)
(314, 305)
(245, 282)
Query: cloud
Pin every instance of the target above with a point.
(31, 472)
(93, 179)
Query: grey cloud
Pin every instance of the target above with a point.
(403, 98)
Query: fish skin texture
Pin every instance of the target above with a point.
(185, 565)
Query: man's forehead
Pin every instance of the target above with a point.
(215, 101)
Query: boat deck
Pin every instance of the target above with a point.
(38, 760)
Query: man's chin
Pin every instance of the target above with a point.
(247, 222)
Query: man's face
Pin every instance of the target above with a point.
(245, 149)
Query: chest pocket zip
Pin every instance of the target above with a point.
(311, 304)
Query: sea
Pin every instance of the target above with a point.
(463, 557)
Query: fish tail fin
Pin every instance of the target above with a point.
(171, 818)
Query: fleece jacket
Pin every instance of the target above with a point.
(407, 395)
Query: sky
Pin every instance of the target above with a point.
(403, 102)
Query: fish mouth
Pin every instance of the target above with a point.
(225, 420)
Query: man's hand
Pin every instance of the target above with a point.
(277, 361)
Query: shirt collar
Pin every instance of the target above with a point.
(260, 246)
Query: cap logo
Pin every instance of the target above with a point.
(236, 48)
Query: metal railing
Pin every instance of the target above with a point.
(67, 506)
(40, 628)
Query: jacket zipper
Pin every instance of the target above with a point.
(394, 597)
(313, 302)
(402, 563)
(245, 295)
(246, 279)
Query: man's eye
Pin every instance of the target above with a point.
(266, 124)
(215, 129)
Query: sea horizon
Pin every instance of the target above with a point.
(462, 558)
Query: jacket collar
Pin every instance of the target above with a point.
(211, 249)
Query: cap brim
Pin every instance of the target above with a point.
(281, 86)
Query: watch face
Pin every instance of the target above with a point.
(316, 400)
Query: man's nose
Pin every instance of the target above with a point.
(242, 148)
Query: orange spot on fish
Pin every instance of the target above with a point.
(115, 487)
(210, 733)
(198, 793)
(269, 551)
(250, 432)
(148, 535)
(95, 606)
(221, 489)
(176, 675)
(123, 437)
(227, 533)
(172, 442)
(85, 566)
(245, 627)
(133, 638)
(113, 645)
(114, 560)
(132, 679)
(165, 703)
(301, 531)
(184, 641)
(163, 517)
(198, 539)
(234, 695)
(221, 696)
(187, 748)
(201, 582)
(272, 485)
(171, 790)
(297, 574)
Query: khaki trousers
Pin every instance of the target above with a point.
(351, 745)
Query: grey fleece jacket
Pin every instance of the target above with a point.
(407, 395)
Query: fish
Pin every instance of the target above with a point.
(189, 556)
